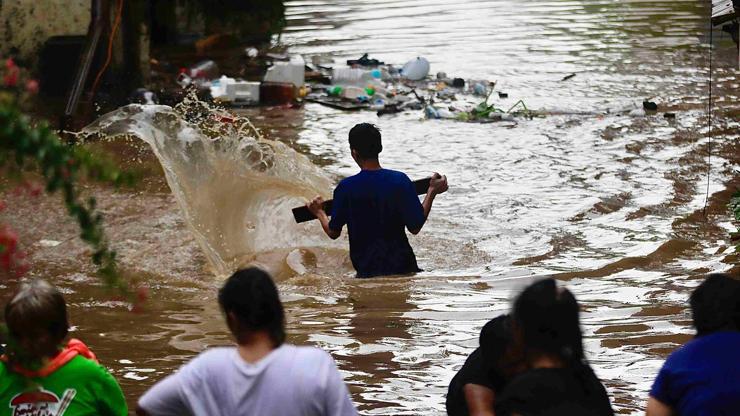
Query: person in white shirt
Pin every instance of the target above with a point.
(261, 376)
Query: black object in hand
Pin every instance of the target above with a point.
(302, 214)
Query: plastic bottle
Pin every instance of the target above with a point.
(390, 73)
(480, 89)
(355, 76)
(377, 104)
(206, 70)
(431, 112)
(445, 113)
(334, 90)
(353, 93)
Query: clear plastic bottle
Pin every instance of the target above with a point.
(431, 112)
(353, 93)
(355, 76)
(206, 70)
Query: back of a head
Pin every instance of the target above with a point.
(364, 138)
(36, 316)
(715, 304)
(495, 337)
(252, 298)
(548, 320)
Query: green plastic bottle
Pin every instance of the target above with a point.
(335, 91)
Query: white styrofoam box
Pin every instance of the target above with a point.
(243, 91)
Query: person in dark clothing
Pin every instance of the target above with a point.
(473, 389)
(376, 205)
(556, 380)
(703, 376)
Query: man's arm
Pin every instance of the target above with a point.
(657, 408)
(479, 400)
(437, 185)
(316, 206)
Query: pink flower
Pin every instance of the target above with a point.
(32, 86)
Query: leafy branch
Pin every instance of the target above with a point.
(62, 165)
(26, 146)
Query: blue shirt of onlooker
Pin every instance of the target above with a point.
(376, 206)
(702, 377)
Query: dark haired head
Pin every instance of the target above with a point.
(495, 337)
(37, 319)
(251, 303)
(715, 304)
(547, 321)
(364, 138)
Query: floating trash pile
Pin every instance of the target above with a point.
(364, 84)
(371, 85)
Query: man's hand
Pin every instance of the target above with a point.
(316, 206)
(438, 184)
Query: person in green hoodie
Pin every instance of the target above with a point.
(39, 375)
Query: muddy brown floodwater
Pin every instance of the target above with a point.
(608, 203)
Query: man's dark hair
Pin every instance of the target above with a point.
(495, 337)
(715, 304)
(365, 139)
(251, 296)
(548, 319)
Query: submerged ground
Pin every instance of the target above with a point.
(609, 203)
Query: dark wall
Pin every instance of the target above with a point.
(248, 20)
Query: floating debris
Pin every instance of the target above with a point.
(649, 106)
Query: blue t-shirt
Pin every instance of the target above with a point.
(376, 206)
(702, 377)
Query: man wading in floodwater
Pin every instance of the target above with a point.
(376, 205)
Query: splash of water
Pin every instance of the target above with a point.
(234, 187)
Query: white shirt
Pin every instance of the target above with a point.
(300, 381)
